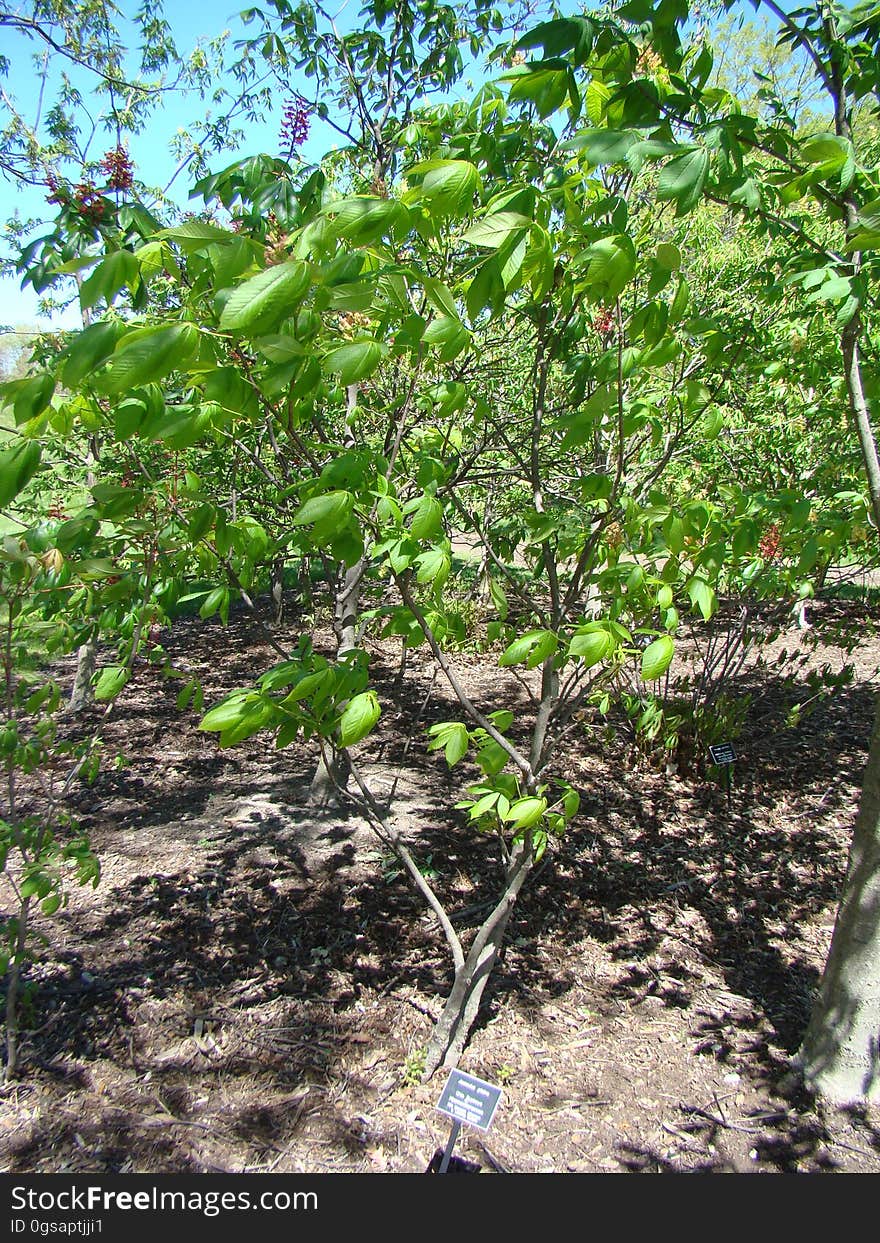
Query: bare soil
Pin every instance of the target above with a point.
(251, 986)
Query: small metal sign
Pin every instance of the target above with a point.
(468, 1099)
(722, 753)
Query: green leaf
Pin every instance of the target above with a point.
(111, 681)
(195, 235)
(657, 657)
(434, 567)
(602, 146)
(702, 597)
(427, 519)
(267, 299)
(147, 354)
(360, 715)
(355, 361)
(88, 349)
(521, 649)
(499, 598)
(18, 465)
(453, 737)
(526, 812)
(440, 297)
(226, 714)
(363, 218)
(591, 646)
(544, 648)
(331, 511)
(493, 231)
(669, 256)
(682, 179)
(610, 264)
(448, 186)
(119, 269)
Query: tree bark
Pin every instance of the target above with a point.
(840, 1055)
(83, 696)
(462, 1006)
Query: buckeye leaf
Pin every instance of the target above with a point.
(682, 179)
(657, 657)
(264, 301)
(111, 682)
(355, 361)
(358, 718)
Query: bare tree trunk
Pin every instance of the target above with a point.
(325, 787)
(82, 696)
(277, 590)
(840, 1055)
(12, 990)
(462, 1006)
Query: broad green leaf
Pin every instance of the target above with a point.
(330, 510)
(119, 269)
(427, 519)
(610, 264)
(195, 235)
(520, 648)
(148, 354)
(18, 465)
(357, 720)
(448, 186)
(111, 681)
(493, 231)
(591, 646)
(434, 567)
(657, 657)
(702, 597)
(88, 349)
(682, 179)
(440, 297)
(364, 218)
(546, 645)
(355, 361)
(669, 256)
(267, 299)
(603, 146)
(526, 812)
(226, 714)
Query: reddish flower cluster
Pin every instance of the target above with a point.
(294, 125)
(58, 193)
(85, 200)
(769, 543)
(89, 202)
(57, 511)
(118, 169)
(604, 322)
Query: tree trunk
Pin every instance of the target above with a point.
(325, 787)
(83, 696)
(840, 1055)
(277, 590)
(462, 1006)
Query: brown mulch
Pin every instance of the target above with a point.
(251, 987)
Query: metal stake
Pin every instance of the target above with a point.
(450, 1144)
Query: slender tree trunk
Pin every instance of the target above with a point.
(324, 790)
(82, 696)
(277, 590)
(462, 1006)
(12, 990)
(840, 1055)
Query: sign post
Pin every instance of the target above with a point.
(723, 754)
(465, 1098)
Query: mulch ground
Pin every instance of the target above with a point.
(252, 985)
